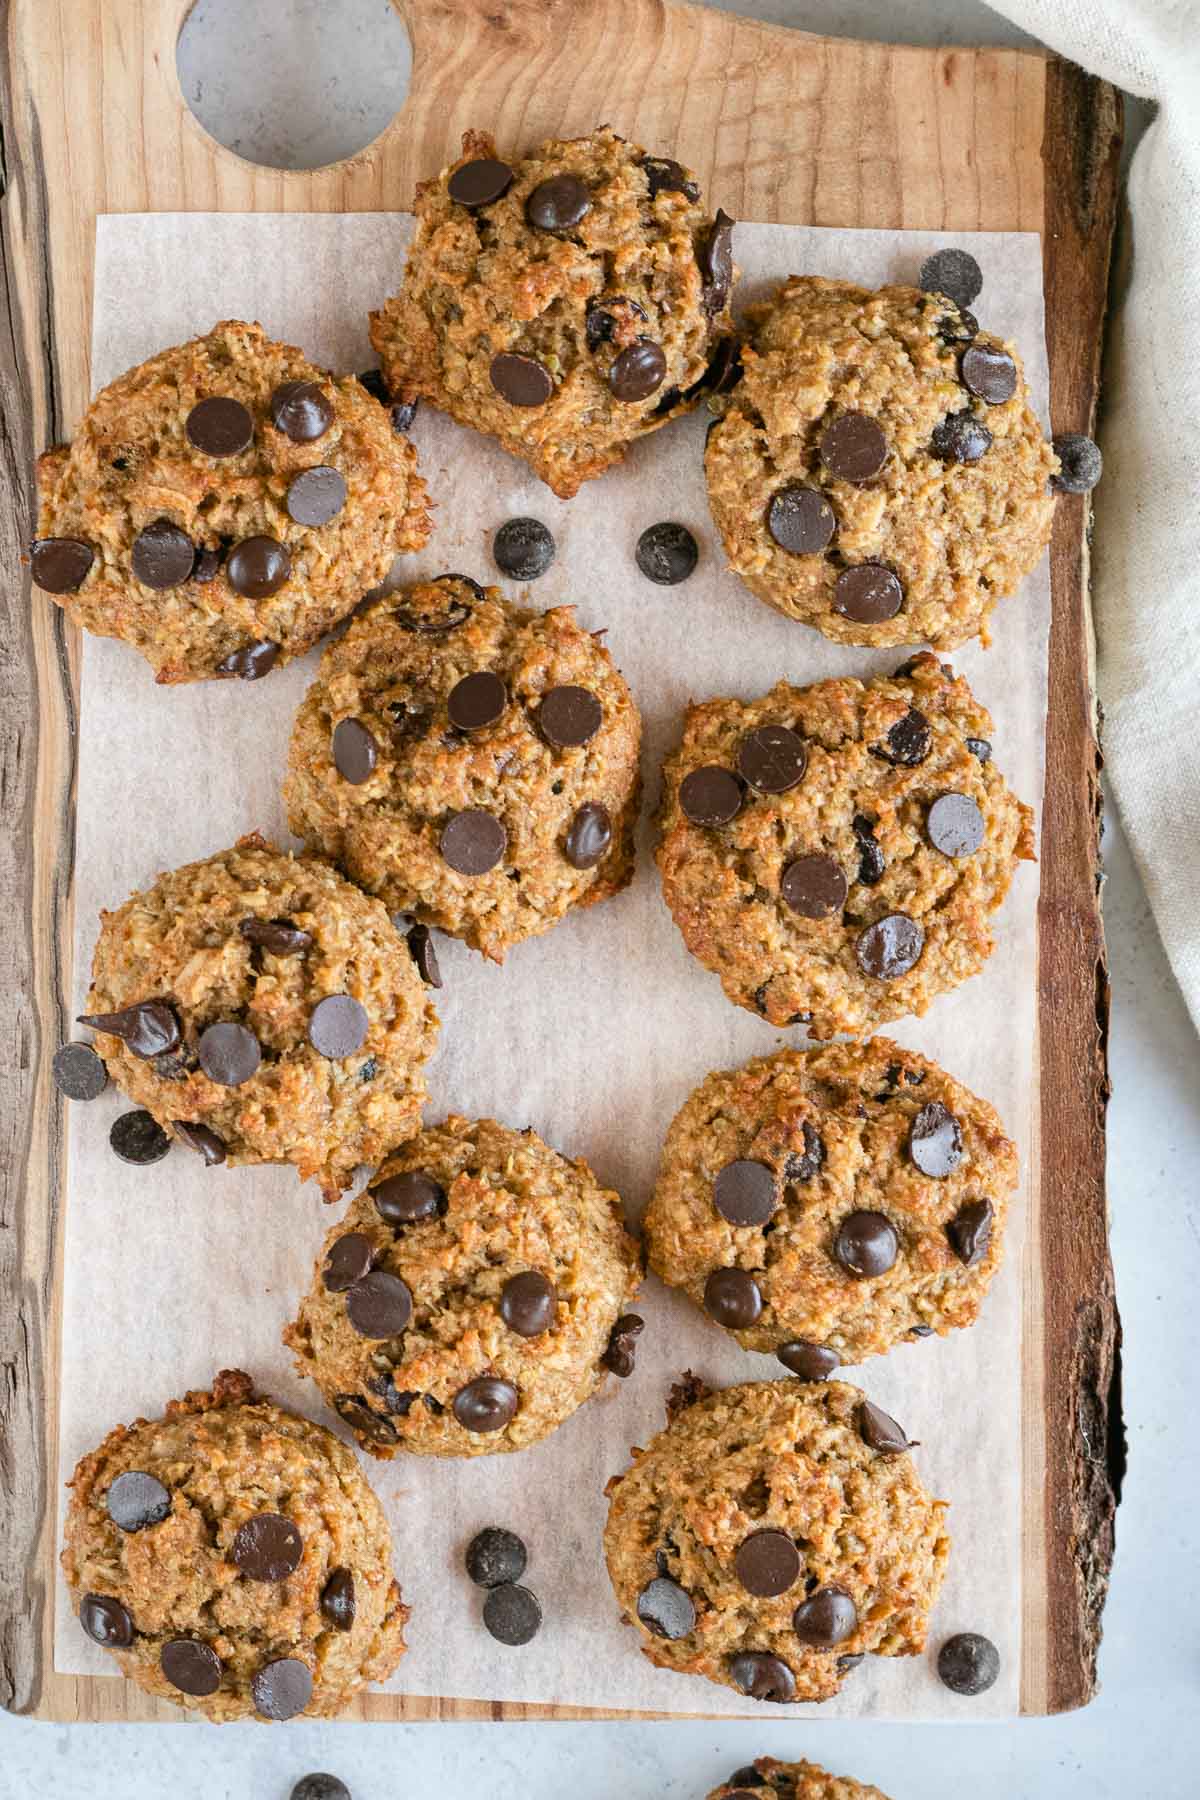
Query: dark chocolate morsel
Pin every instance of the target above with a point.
(192, 1667)
(968, 1663)
(495, 1556)
(523, 549)
(521, 380)
(407, 1198)
(137, 1137)
(106, 1621)
(252, 661)
(744, 1192)
(512, 1614)
(202, 1139)
(301, 410)
(879, 1431)
(257, 568)
(1082, 464)
(219, 426)
(479, 183)
(558, 203)
(761, 1676)
(666, 1609)
(801, 520)
(970, 1231)
(954, 273)
(338, 1026)
(866, 1244)
(60, 565)
(79, 1074)
(637, 372)
(267, 1547)
(811, 1362)
(826, 1618)
(338, 1601)
(813, 886)
(282, 1688)
(666, 553)
(935, 1140)
(136, 1500)
(733, 1298)
(486, 1404)
(162, 556)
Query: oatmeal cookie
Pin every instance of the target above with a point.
(263, 1010)
(566, 304)
(835, 853)
(233, 1559)
(223, 505)
(471, 1298)
(767, 1779)
(879, 472)
(469, 762)
(762, 1540)
(826, 1204)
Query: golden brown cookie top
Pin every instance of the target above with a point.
(768, 1779)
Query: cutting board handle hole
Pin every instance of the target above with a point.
(294, 84)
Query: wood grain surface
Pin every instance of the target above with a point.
(780, 126)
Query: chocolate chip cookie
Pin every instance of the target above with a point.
(879, 472)
(771, 1537)
(826, 1204)
(223, 505)
(565, 304)
(470, 762)
(233, 1559)
(263, 1010)
(472, 1296)
(835, 853)
(767, 1779)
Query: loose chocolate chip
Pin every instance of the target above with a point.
(278, 937)
(495, 1556)
(853, 448)
(710, 796)
(637, 372)
(137, 1138)
(980, 749)
(420, 948)
(954, 825)
(192, 1667)
(337, 1026)
(569, 716)
(744, 1192)
(379, 1305)
(767, 1563)
(316, 495)
(801, 520)
(512, 1614)
(1082, 467)
(403, 414)
(267, 1547)
(813, 886)
(558, 204)
(338, 1602)
(78, 1072)
(523, 549)
(60, 565)
(106, 1621)
(666, 1609)
(219, 426)
(954, 273)
(202, 1139)
(521, 380)
(826, 1618)
(960, 438)
(301, 410)
(866, 1244)
(732, 1297)
(715, 262)
(772, 758)
(666, 553)
(320, 1787)
(989, 374)
(890, 948)
(479, 183)
(528, 1303)
(405, 1199)
(665, 176)
(908, 740)
(477, 701)
(935, 1140)
(135, 1500)
(968, 1663)
(868, 593)
(252, 661)
(347, 1260)
(147, 1029)
(589, 836)
(355, 751)
(282, 1688)
(762, 1677)
(621, 1350)
(472, 842)
(258, 567)
(970, 1232)
(228, 1053)
(871, 860)
(486, 1404)
(811, 1362)
(353, 1409)
(162, 555)
(879, 1431)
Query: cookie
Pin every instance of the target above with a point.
(223, 505)
(470, 762)
(835, 853)
(467, 1301)
(879, 472)
(233, 1559)
(767, 1779)
(762, 1542)
(263, 1010)
(826, 1204)
(565, 304)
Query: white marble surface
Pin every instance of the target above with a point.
(322, 85)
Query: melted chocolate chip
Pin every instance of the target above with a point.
(960, 438)
(278, 937)
(202, 1139)
(666, 1609)
(353, 1409)
(228, 1053)
(710, 796)
(637, 372)
(665, 176)
(767, 1563)
(715, 262)
(162, 555)
(355, 751)
(762, 1677)
(868, 594)
(106, 1621)
(853, 448)
(908, 741)
(589, 836)
(337, 1026)
(811, 1362)
(379, 1305)
(347, 1260)
(801, 520)
(621, 1350)
(477, 701)
(473, 842)
(935, 1140)
(282, 1688)
(772, 758)
(988, 373)
(420, 948)
(192, 1667)
(258, 567)
(301, 410)
(890, 948)
(569, 716)
(733, 1298)
(871, 861)
(316, 495)
(136, 1500)
(252, 661)
(954, 825)
(970, 1232)
(338, 1601)
(880, 1432)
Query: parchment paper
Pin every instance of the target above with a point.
(594, 1034)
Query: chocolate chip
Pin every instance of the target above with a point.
(403, 414)
(337, 1026)
(667, 553)
(137, 1138)
(801, 520)
(921, 1331)
(666, 1609)
(879, 1431)
(868, 593)
(954, 825)
(853, 448)
(135, 1500)
(732, 1298)
(528, 1303)
(379, 1305)
(813, 886)
(106, 1621)
(162, 555)
(278, 937)
(958, 327)
(320, 1787)
(980, 749)
(767, 1563)
(772, 758)
(988, 373)
(935, 1140)
(802, 1168)
(637, 372)
(405, 1199)
(192, 1667)
(513, 1615)
(747, 1777)
(454, 616)
(219, 426)
(600, 319)
(420, 948)
(811, 1362)
(282, 1688)
(826, 1618)
(890, 948)
(78, 1072)
(723, 373)
(60, 565)
(908, 741)
(252, 661)
(495, 1556)
(665, 176)
(338, 1602)
(715, 262)
(301, 410)
(871, 861)
(970, 1232)
(1082, 467)
(523, 549)
(621, 1350)
(521, 380)
(347, 1260)
(762, 1677)
(472, 842)
(228, 1053)
(477, 701)
(960, 438)
(202, 1139)
(479, 183)
(355, 751)
(866, 1244)
(147, 1029)
(846, 1663)
(486, 1404)
(569, 716)
(267, 1547)
(353, 1409)
(258, 567)
(316, 495)
(968, 1663)
(710, 796)
(954, 273)
(558, 204)
(589, 836)
(744, 1192)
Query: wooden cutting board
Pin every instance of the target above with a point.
(780, 126)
